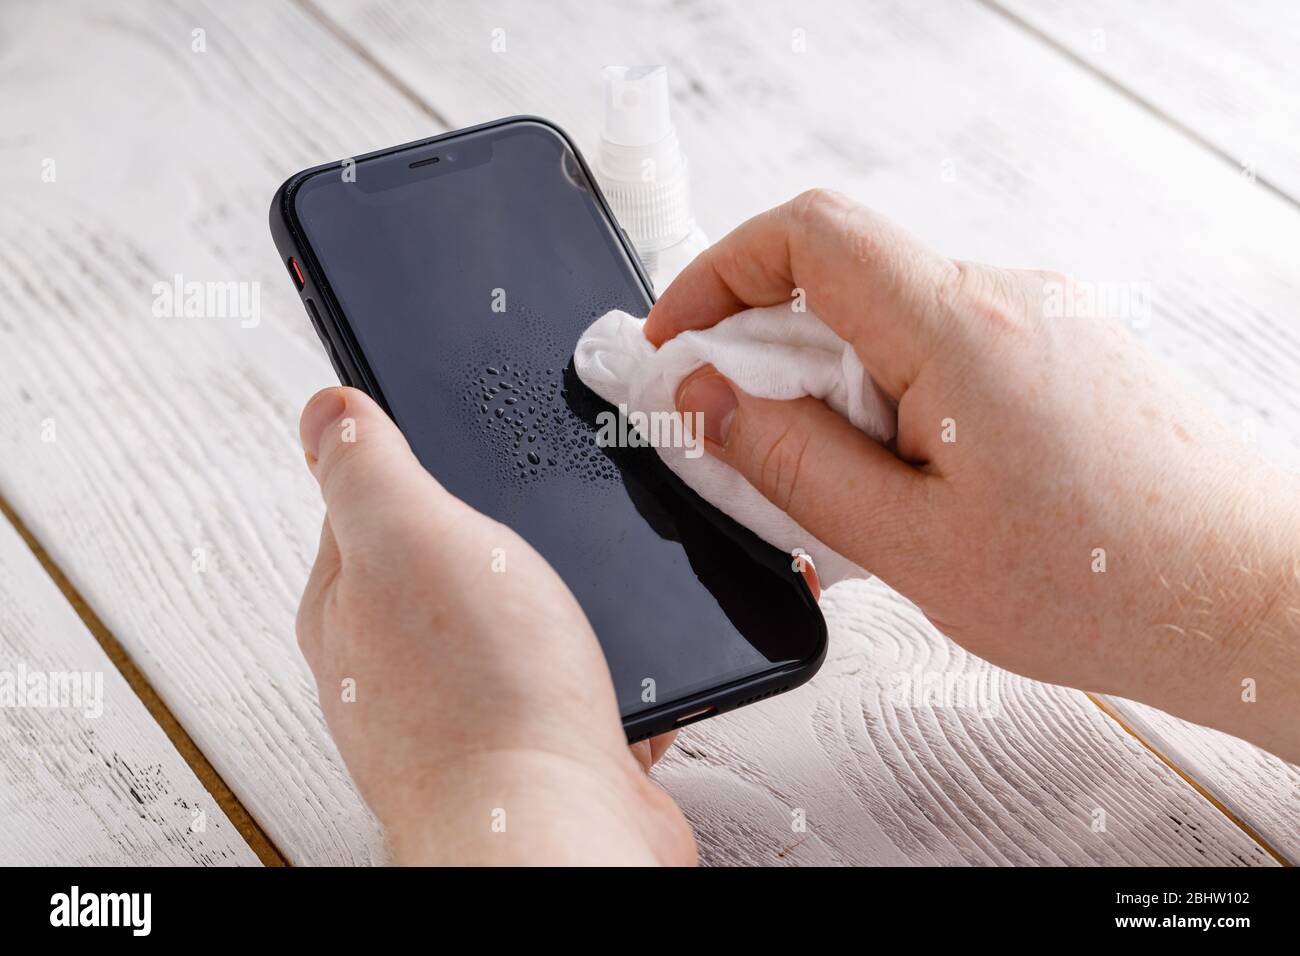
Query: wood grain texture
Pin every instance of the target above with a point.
(905, 750)
(177, 434)
(1227, 75)
(988, 168)
(1259, 789)
(1226, 72)
(175, 439)
(94, 781)
(947, 118)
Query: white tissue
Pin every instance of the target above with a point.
(770, 353)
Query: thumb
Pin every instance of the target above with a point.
(369, 477)
(813, 464)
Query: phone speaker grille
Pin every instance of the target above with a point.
(755, 699)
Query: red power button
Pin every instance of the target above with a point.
(297, 273)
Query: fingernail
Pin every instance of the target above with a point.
(809, 572)
(712, 397)
(321, 412)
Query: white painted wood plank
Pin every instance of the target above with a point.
(179, 434)
(905, 750)
(923, 111)
(1228, 72)
(93, 781)
(175, 434)
(1258, 788)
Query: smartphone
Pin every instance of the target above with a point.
(450, 279)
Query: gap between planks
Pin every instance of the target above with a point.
(256, 837)
(410, 94)
(239, 817)
(1203, 142)
(1134, 97)
(1241, 824)
(368, 58)
(247, 827)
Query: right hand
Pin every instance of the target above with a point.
(1028, 448)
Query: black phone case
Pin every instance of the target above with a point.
(350, 365)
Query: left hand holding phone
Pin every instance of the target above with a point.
(458, 675)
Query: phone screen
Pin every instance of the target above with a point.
(467, 269)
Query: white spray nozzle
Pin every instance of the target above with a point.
(636, 105)
(640, 164)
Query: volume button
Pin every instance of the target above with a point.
(324, 340)
(338, 368)
(315, 321)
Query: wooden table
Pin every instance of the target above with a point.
(160, 524)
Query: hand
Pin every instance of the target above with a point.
(1032, 453)
(462, 699)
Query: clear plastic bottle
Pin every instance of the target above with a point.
(643, 172)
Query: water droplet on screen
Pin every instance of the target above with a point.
(528, 400)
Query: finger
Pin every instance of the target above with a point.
(641, 753)
(369, 477)
(812, 463)
(660, 745)
(316, 592)
(810, 577)
(648, 752)
(869, 280)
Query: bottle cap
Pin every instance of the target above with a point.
(640, 164)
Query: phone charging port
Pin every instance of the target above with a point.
(693, 716)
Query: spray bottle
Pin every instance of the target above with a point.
(643, 172)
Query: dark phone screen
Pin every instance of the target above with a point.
(466, 282)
